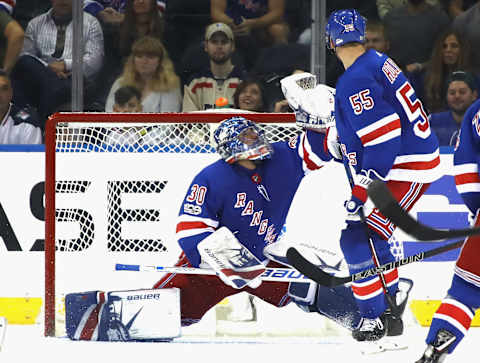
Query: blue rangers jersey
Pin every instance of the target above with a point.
(467, 158)
(253, 204)
(382, 125)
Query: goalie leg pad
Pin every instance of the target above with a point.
(135, 315)
(303, 294)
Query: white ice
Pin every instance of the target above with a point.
(27, 344)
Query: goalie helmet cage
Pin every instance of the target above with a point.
(75, 146)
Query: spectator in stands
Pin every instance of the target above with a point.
(384, 6)
(221, 78)
(375, 37)
(17, 125)
(412, 29)
(450, 53)
(278, 61)
(107, 11)
(150, 70)
(462, 91)
(42, 74)
(250, 96)
(11, 37)
(142, 17)
(110, 14)
(264, 18)
(466, 24)
(255, 23)
(128, 99)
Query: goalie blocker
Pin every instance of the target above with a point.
(135, 315)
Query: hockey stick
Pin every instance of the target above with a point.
(389, 207)
(270, 274)
(390, 298)
(325, 279)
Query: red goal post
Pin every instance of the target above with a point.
(92, 163)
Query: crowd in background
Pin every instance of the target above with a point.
(191, 55)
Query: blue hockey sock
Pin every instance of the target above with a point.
(456, 312)
(368, 292)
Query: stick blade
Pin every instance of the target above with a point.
(311, 271)
(389, 207)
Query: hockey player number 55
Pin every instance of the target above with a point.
(361, 101)
(414, 110)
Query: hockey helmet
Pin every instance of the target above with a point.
(238, 138)
(343, 27)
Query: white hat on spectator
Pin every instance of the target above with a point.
(7, 5)
(218, 27)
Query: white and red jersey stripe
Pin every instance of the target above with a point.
(188, 226)
(385, 129)
(456, 314)
(420, 168)
(467, 276)
(467, 178)
(373, 287)
(311, 161)
(407, 194)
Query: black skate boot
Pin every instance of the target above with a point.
(370, 329)
(438, 350)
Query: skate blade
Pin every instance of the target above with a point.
(383, 345)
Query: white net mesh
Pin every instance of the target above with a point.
(180, 137)
(307, 82)
(123, 139)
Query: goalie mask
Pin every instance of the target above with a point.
(240, 139)
(343, 27)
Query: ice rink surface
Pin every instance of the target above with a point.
(26, 344)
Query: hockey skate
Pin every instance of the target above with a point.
(438, 350)
(387, 324)
(371, 329)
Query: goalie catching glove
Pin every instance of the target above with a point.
(312, 103)
(233, 263)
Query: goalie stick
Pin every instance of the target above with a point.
(270, 274)
(389, 207)
(325, 279)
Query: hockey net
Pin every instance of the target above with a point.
(114, 183)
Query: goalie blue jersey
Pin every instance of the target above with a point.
(467, 158)
(382, 125)
(253, 204)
